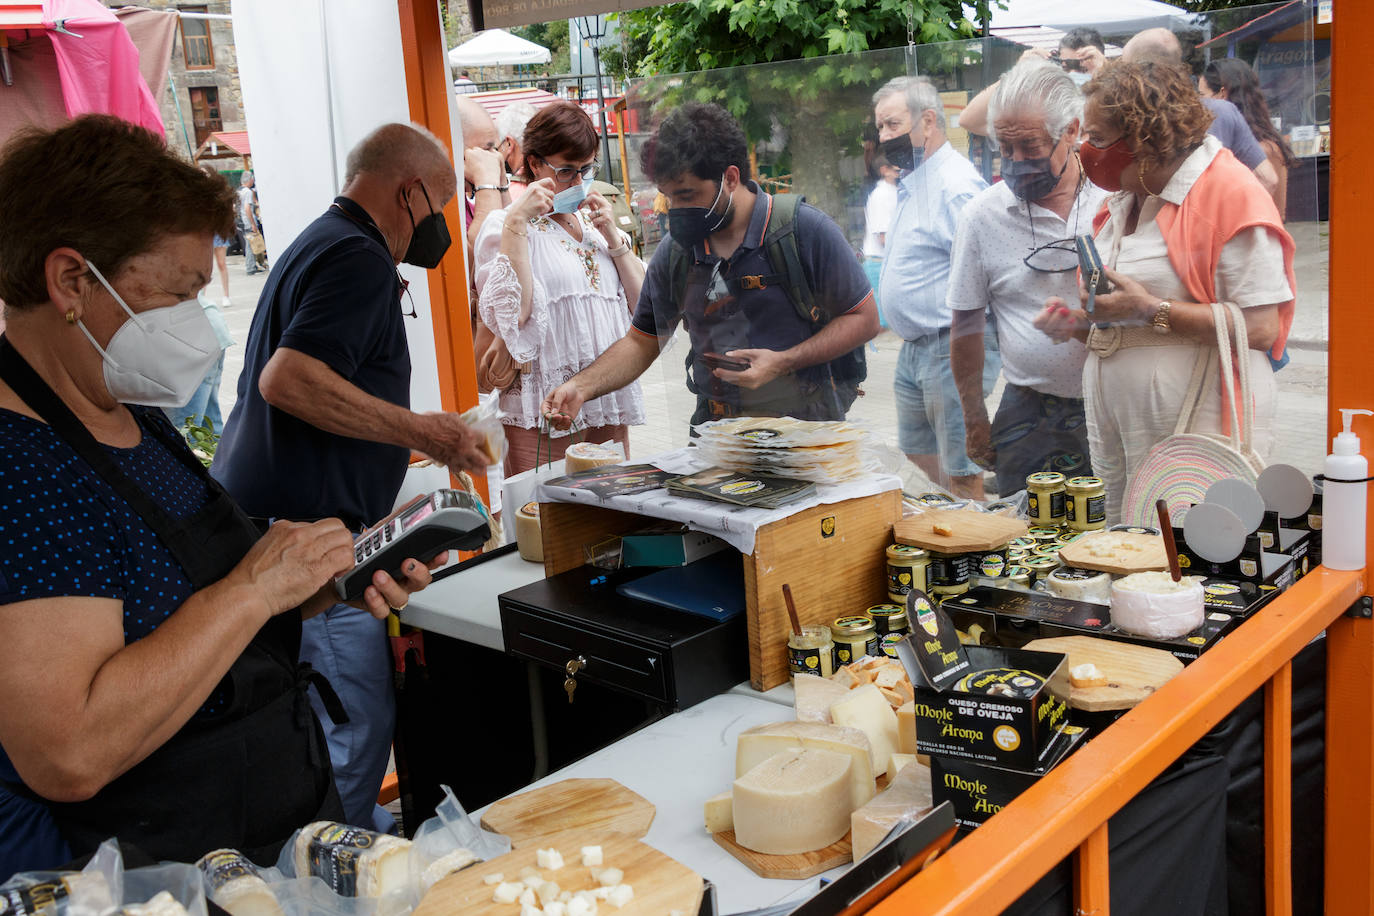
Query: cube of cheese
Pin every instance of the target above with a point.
(527, 897)
(794, 802)
(906, 728)
(719, 816)
(908, 795)
(868, 710)
(547, 892)
(814, 696)
(528, 910)
(899, 761)
(610, 877)
(621, 894)
(759, 743)
(507, 892)
(555, 908)
(591, 855)
(549, 858)
(493, 878)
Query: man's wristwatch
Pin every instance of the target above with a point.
(491, 187)
(1161, 320)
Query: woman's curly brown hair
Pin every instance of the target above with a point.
(1155, 106)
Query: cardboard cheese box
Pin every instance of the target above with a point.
(1254, 564)
(1020, 616)
(978, 790)
(1239, 599)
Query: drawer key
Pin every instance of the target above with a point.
(572, 667)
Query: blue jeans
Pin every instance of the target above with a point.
(930, 418)
(1035, 432)
(873, 269)
(349, 647)
(205, 402)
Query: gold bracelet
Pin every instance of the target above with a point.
(513, 231)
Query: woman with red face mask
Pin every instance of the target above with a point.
(1188, 226)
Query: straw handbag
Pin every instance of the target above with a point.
(1181, 468)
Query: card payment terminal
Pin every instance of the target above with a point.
(422, 528)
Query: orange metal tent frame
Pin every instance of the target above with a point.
(1066, 812)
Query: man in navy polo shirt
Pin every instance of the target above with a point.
(323, 427)
(756, 351)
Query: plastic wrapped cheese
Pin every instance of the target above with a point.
(235, 884)
(908, 795)
(794, 802)
(582, 456)
(353, 862)
(529, 538)
(1152, 604)
(1080, 584)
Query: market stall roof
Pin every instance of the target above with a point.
(1043, 36)
(224, 145)
(1119, 15)
(497, 48)
(496, 100)
(1275, 20)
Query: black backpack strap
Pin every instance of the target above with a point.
(780, 244)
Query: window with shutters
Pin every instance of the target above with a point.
(205, 112)
(195, 41)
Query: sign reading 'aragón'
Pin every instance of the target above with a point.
(500, 14)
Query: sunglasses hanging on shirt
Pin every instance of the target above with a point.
(405, 293)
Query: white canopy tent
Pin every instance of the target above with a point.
(497, 48)
(1120, 15)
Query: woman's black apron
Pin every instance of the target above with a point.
(244, 778)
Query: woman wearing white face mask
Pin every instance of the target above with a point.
(148, 631)
(557, 281)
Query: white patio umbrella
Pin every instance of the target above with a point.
(1117, 15)
(497, 48)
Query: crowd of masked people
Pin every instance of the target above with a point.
(175, 666)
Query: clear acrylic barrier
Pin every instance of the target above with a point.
(810, 131)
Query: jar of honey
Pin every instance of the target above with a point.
(906, 570)
(854, 637)
(1086, 503)
(1045, 498)
(811, 652)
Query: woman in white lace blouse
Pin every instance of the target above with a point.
(558, 287)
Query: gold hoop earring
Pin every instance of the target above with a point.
(71, 316)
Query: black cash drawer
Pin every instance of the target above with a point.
(668, 657)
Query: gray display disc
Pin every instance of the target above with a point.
(1214, 532)
(1240, 498)
(1286, 490)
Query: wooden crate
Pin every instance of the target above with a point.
(833, 557)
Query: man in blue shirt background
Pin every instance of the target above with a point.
(935, 185)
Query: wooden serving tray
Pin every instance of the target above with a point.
(661, 884)
(1148, 556)
(793, 867)
(590, 805)
(970, 530)
(1133, 672)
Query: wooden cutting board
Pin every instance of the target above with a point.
(593, 805)
(1133, 672)
(793, 867)
(1138, 553)
(970, 530)
(660, 884)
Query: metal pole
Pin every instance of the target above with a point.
(329, 101)
(601, 105)
(176, 101)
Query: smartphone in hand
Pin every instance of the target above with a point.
(1094, 275)
(728, 363)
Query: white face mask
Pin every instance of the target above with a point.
(159, 357)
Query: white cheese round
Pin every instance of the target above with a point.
(1080, 584)
(1152, 604)
(582, 456)
(794, 802)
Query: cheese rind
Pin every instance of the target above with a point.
(868, 710)
(793, 802)
(719, 813)
(899, 761)
(759, 743)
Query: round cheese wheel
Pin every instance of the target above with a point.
(1152, 604)
(1080, 584)
(794, 802)
(582, 456)
(529, 538)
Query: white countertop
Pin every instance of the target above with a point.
(464, 606)
(679, 762)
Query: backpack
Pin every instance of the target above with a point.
(784, 257)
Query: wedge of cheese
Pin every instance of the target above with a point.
(793, 802)
(908, 795)
(234, 883)
(868, 710)
(814, 696)
(899, 761)
(353, 862)
(759, 743)
(906, 728)
(719, 813)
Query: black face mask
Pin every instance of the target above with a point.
(899, 151)
(1031, 179)
(429, 238)
(691, 225)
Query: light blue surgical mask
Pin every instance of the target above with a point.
(569, 200)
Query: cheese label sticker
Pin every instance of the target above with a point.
(925, 615)
(225, 865)
(334, 854)
(1006, 738)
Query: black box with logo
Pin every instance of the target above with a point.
(979, 790)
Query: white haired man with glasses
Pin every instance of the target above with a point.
(1014, 251)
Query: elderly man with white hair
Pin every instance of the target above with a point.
(936, 183)
(510, 133)
(1015, 251)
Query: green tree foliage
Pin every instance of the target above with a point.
(1207, 6)
(552, 35)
